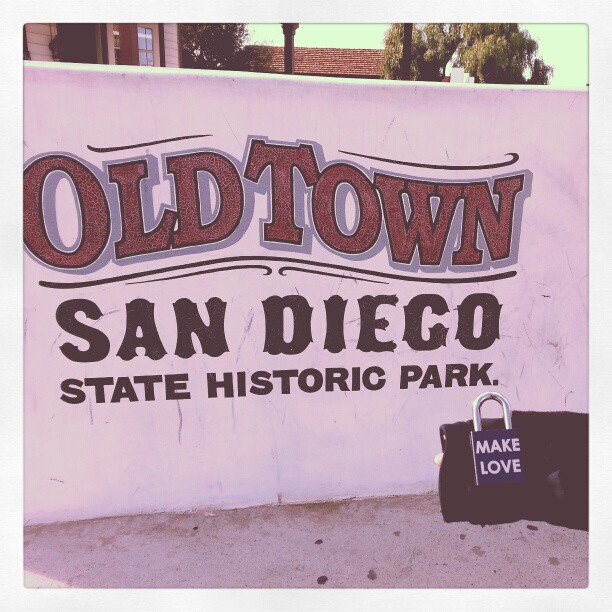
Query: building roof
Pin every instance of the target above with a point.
(363, 63)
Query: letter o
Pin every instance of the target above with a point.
(93, 207)
(317, 380)
(494, 464)
(324, 209)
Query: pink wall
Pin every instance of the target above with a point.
(97, 459)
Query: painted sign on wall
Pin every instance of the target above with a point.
(244, 289)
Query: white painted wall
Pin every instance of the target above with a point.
(92, 459)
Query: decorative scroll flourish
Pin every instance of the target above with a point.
(513, 159)
(445, 280)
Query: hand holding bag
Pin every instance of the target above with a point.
(554, 463)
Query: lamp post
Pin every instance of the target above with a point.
(289, 32)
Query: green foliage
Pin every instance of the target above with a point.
(433, 45)
(219, 46)
(490, 52)
(501, 53)
(392, 54)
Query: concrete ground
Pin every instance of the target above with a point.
(386, 542)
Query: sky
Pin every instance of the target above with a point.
(563, 46)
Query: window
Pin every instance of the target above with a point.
(117, 44)
(133, 44)
(145, 46)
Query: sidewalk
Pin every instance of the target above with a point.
(385, 542)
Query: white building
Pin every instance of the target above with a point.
(131, 44)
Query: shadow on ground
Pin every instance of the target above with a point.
(386, 542)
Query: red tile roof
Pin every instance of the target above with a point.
(362, 63)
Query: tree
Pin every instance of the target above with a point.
(490, 52)
(220, 46)
(433, 45)
(501, 53)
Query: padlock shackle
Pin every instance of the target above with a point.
(500, 399)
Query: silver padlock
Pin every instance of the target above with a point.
(500, 399)
(497, 452)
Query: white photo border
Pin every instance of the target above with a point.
(592, 12)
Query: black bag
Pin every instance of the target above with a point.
(554, 459)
